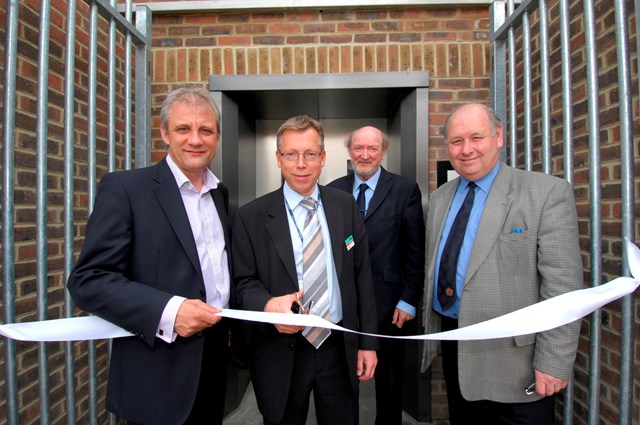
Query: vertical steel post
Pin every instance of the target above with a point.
(41, 202)
(545, 87)
(8, 209)
(567, 142)
(91, 184)
(528, 113)
(69, 127)
(143, 89)
(627, 201)
(595, 210)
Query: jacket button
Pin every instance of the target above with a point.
(292, 347)
(199, 333)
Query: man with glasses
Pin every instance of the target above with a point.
(304, 247)
(391, 206)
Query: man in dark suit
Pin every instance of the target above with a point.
(519, 246)
(155, 261)
(305, 246)
(392, 209)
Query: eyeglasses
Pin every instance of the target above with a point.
(308, 156)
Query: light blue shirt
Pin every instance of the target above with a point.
(372, 183)
(296, 215)
(371, 187)
(483, 186)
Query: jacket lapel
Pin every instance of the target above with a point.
(170, 201)
(382, 190)
(334, 217)
(492, 220)
(278, 227)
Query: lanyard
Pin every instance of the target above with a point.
(295, 223)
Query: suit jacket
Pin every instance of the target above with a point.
(395, 228)
(264, 267)
(138, 252)
(508, 271)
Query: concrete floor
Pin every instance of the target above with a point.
(247, 413)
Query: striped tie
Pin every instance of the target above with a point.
(315, 283)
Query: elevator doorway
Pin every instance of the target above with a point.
(254, 106)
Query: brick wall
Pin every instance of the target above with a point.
(449, 42)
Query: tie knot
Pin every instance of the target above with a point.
(309, 204)
(471, 185)
(363, 187)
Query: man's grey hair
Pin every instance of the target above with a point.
(494, 119)
(190, 96)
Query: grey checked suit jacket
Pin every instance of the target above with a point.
(508, 271)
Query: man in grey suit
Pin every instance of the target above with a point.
(304, 247)
(519, 247)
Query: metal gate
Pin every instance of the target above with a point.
(514, 86)
(84, 81)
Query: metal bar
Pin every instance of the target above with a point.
(498, 75)
(143, 89)
(127, 91)
(91, 184)
(515, 18)
(513, 115)
(595, 211)
(8, 209)
(545, 87)
(69, 127)
(628, 199)
(237, 5)
(567, 135)
(111, 96)
(41, 202)
(108, 12)
(528, 114)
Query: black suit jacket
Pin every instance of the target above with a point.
(264, 267)
(395, 228)
(138, 252)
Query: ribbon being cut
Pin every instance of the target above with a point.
(545, 315)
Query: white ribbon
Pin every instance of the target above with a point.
(539, 317)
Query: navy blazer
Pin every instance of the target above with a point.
(139, 252)
(395, 228)
(264, 267)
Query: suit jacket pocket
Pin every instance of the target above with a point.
(510, 247)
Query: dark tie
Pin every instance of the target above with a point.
(315, 284)
(362, 203)
(449, 258)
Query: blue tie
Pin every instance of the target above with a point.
(362, 203)
(451, 251)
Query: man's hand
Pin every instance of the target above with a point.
(400, 317)
(283, 304)
(548, 385)
(366, 367)
(194, 316)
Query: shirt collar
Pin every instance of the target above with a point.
(485, 182)
(293, 198)
(210, 180)
(372, 182)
